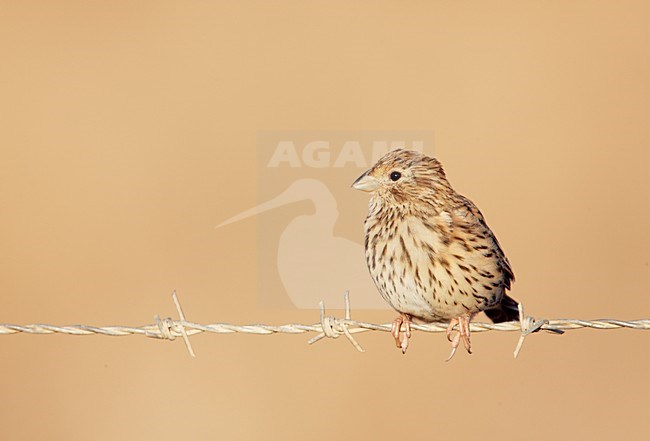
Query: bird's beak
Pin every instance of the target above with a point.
(365, 182)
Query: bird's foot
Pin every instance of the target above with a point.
(402, 340)
(461, 335)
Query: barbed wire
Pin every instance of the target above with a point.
(329, 326)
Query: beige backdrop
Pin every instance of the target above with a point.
(128, 131)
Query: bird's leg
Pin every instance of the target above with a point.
(400, 342)
(461, 335)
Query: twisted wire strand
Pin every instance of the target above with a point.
(354, 326)
(328, 326)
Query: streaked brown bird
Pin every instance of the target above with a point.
(429, 250)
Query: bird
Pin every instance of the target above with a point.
(429, 251)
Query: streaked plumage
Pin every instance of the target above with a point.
(428, 248)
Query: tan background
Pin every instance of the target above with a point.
(127, 133)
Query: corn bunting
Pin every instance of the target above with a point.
(429, 250)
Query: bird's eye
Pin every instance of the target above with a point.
(394, 176)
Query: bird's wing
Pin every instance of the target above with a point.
(467, 212)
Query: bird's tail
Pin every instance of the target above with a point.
(506, 311)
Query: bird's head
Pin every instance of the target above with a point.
(403, 175)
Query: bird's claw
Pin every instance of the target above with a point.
(461, 335)
(402, 340)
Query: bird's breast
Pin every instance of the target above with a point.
(423, 267)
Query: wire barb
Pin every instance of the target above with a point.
(168, 328)
(530, 325)
(333, 327)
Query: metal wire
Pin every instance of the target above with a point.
(328, 326)
(354, 327)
